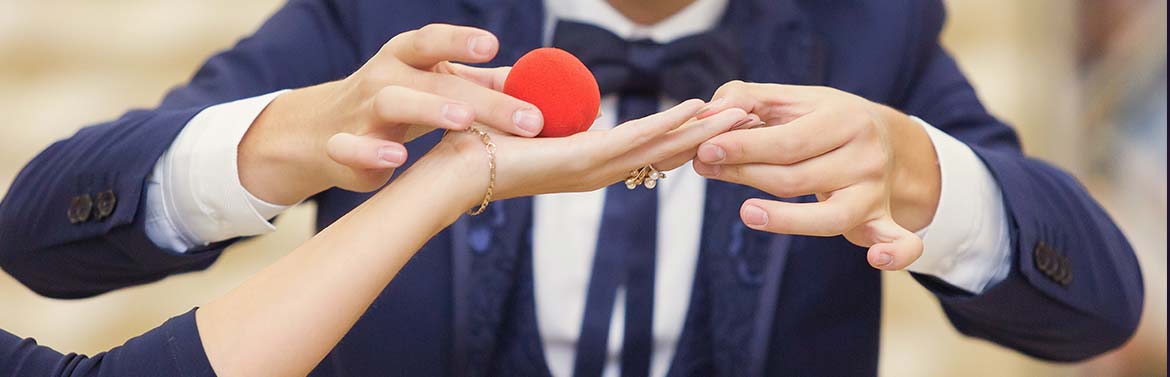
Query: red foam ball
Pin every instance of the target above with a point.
(560, 86)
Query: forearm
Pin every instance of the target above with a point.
(286, 318)
(46, 224)
(1075, 289)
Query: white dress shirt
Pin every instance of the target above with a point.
(194, 197)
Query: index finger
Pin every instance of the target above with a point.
(774, 103)
(637, 132)
(434, 43)
(799, 140)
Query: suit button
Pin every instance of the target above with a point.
(1054, 266)
(1043, 259)
(106, 201)
(1063, 275)
(80, 208)
(735, 244)
(479, 237)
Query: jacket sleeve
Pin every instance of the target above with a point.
(1075, 290)
(72, 223)
(172, 349)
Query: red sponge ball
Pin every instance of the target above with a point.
(560, 86)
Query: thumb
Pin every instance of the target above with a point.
(895, 247)
(365, 152)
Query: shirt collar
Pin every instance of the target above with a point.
(698, 17)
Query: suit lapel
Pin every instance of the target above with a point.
(745, 268)
(485, 247)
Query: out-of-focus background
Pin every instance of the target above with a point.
(1083, 81)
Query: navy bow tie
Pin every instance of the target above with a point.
(689, 67)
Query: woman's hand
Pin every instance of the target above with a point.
(349, 133)
(590, 160)
(873, 169)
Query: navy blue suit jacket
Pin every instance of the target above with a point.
(771, 304)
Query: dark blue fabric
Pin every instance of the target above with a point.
(639, 71)
(520, 351)
(824, 315)
(626, 245)
(172, 349)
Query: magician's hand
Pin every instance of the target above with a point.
(873, 170)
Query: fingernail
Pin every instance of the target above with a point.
(528, 120)
(711, 153)
(755, 216)
(392, 157)
(481, 45)
(742, 123)
(457, 114)
(707, 170)
(883, 259)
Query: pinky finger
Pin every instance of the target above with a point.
(365, 152)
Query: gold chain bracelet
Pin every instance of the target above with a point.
(491, 151)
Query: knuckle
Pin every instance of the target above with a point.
(729, 87)
(428, 33)
(396, 40)
(429, 40)
(387, 99)
(788, 146)
(376, 78)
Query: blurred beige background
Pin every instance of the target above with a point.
(1084, 82)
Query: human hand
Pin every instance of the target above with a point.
(873, 170)
(589, 160)
(349, 133)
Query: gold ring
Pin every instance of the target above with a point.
(646, 176)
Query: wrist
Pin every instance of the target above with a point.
(279, 156)
(456, 170)
(917, 182)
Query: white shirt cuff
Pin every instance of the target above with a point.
(967, 244)
(194, 196)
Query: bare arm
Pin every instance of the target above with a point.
(285, 319)
(320, 289)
